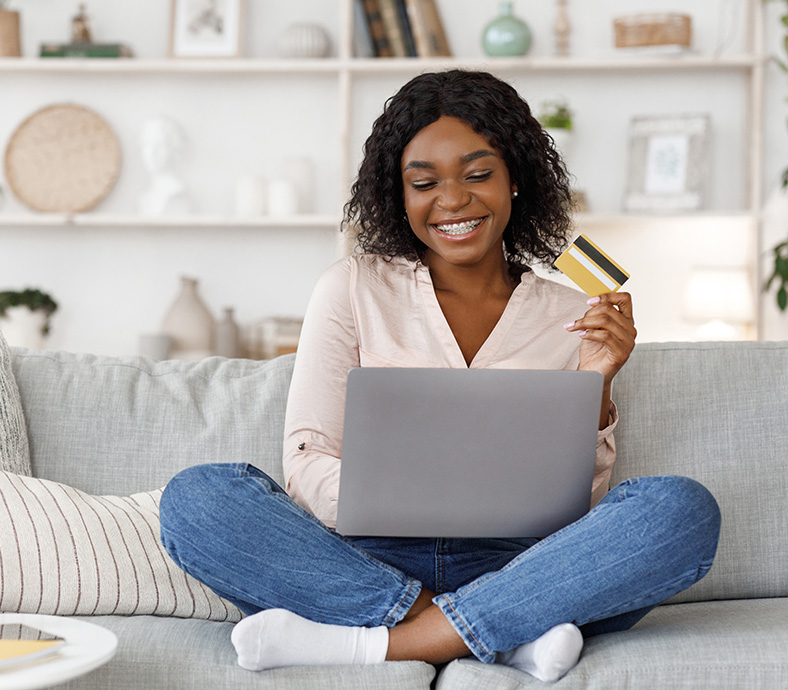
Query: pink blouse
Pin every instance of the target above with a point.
(367, 311)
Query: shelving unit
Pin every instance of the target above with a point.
(351, 80)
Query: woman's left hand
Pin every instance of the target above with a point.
(608, 333)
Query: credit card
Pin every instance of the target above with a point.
(593, 271)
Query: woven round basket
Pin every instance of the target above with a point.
(62, 159)
(653, 30)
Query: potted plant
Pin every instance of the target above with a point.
(9, 31)
(25, 316)
(776, 210)
(556, 118)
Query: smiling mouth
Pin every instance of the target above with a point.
(463, 228)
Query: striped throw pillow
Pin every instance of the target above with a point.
(68, 553)
(14, 448)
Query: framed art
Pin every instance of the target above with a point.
(206, 28)
(667, 163)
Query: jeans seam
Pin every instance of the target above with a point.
(461, 620)
(621, 490)
(439, 566)
(399, 605)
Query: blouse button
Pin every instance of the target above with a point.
(301, 446)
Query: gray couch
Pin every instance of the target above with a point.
(715, 412)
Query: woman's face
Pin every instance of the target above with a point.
(457, 193)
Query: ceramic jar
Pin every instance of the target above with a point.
(189, 324)
(305, 40)
(506, 36)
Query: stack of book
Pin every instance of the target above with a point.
(399, 28)
(82, 50)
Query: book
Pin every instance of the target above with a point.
(392, 26)
(20, 644)
(428, 32)
(85, 50)
(376, 28)
(362, 39)
(407, 31)
(436, 33)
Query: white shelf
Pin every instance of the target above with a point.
(105, 220)
(335, 66)
(612, 63)
(321, 222)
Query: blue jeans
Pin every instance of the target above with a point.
(234, 529)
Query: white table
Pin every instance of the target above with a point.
(87, 647)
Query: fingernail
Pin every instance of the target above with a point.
(569, 325)
(582, 333)
(593, 301)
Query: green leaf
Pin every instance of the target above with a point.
(782, 298)
(781, 268)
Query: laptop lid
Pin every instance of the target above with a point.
(467, 452)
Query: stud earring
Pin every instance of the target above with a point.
(514, 194)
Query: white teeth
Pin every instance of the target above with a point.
(459, 228)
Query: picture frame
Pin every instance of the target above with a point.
(668, 163)
(206, 28)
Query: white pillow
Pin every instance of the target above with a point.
(68, 553)
(14, 448)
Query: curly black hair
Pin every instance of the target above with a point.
(540, 224)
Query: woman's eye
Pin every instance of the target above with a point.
(480, 177)
(421, 186)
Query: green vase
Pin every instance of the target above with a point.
(506, 35)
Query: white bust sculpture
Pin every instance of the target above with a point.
(162, 143)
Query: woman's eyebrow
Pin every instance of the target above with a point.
(476, 155)
(419, 164)
(467, 158)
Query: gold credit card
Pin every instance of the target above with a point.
(590, 268)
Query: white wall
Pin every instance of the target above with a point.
(115, 284)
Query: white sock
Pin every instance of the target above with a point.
(277, 637)
(547, 657)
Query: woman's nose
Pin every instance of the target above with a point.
(453, 196)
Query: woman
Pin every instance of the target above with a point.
(458, 191)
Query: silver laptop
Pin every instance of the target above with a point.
(467, 452)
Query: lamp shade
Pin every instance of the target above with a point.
(719, 293)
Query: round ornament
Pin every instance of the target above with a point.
(62, 159)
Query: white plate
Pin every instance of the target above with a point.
(87, 647)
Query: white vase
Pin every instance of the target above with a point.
(24, 328)
(304, 40)
(189, 324)
(228, 339)
(282, 198)
(561, 137)
(300, 171)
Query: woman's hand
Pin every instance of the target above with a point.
(608, 333)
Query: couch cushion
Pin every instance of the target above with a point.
(14, 454)
(119, 425)
(717, 645)
(65, 552)
(716, 412)
(175, 654)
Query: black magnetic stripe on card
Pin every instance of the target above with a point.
(601, 260)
